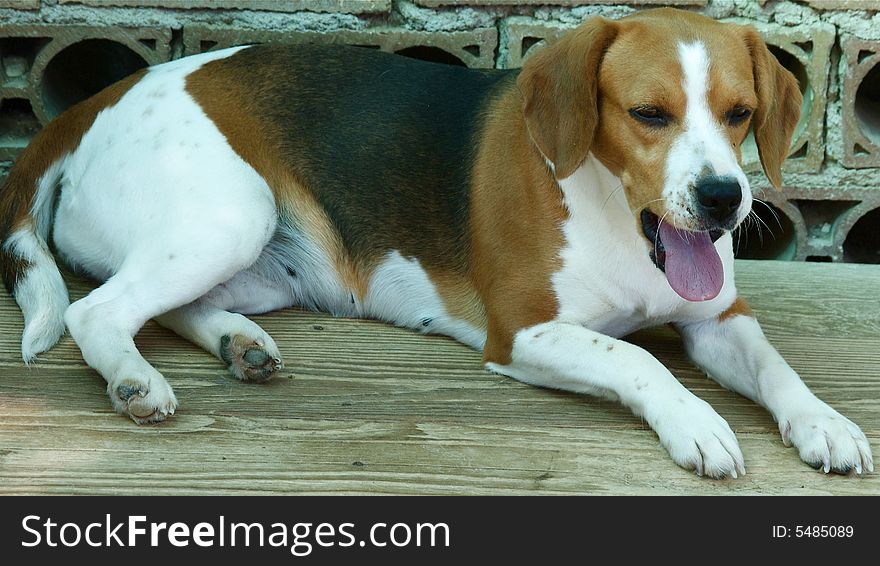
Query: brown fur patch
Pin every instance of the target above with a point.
(779, 106)
(739, 307)
(517, 214)
(559, 91)
(60, 137)
(460, 298)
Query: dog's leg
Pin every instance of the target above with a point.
(104, 323)
(155, 278)
(573, 358)
(733, 351)
(247, 349)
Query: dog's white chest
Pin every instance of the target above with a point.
(607, 281)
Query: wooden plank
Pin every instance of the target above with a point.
(367, 407)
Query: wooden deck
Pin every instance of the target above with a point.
(367, 408)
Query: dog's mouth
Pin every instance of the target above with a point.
(688, 259)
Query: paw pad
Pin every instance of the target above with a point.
(249, 360)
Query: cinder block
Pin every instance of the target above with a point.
(805, 49)
(46, 68)
(860, 102)
(344, 6)
(437, 3)
(475, 48)
(21, 4)
(521, 35)
(816, 223)
(845, 4)
(778, 233)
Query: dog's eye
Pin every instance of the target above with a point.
(650, 115)
(738, 115)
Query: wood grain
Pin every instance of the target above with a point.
(368, 408)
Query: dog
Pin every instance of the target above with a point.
(537, 215)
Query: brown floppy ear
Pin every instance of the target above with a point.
(779, 106)
(559, 87)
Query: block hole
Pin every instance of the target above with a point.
(18, 123)
(822, 216)
(820, 258)
(83, 69)
(801, 152)
(793, 64)
(863, 54)
(207, 45)
(472, 50)
(769, 236)
(528, 43)
(17, 56)
(862, 244)
(867, 105)
(807, 46)
(431, 53)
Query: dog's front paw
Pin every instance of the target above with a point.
(143, 400)
(827, 440)
(697, 438)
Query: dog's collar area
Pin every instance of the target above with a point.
(650, 228)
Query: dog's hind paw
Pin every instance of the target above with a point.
(142, 400)
(249, 359)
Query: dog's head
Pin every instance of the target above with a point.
(664, 99)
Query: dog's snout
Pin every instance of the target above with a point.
(718, 197)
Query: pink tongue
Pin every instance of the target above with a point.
(693, 267)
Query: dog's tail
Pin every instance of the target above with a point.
(29, 271)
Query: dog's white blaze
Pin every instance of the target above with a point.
(701, 144)
(401, 292)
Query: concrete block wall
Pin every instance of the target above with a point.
(56, 52)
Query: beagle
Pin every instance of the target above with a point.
(537, 215)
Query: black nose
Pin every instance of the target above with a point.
(718, 197)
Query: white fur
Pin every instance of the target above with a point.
(568, 356)
(401, 292)
(140, 152)
(607, 281)
(291, 270)
(608, 287)
(40, 293)
(702, 144)
(735, 353)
